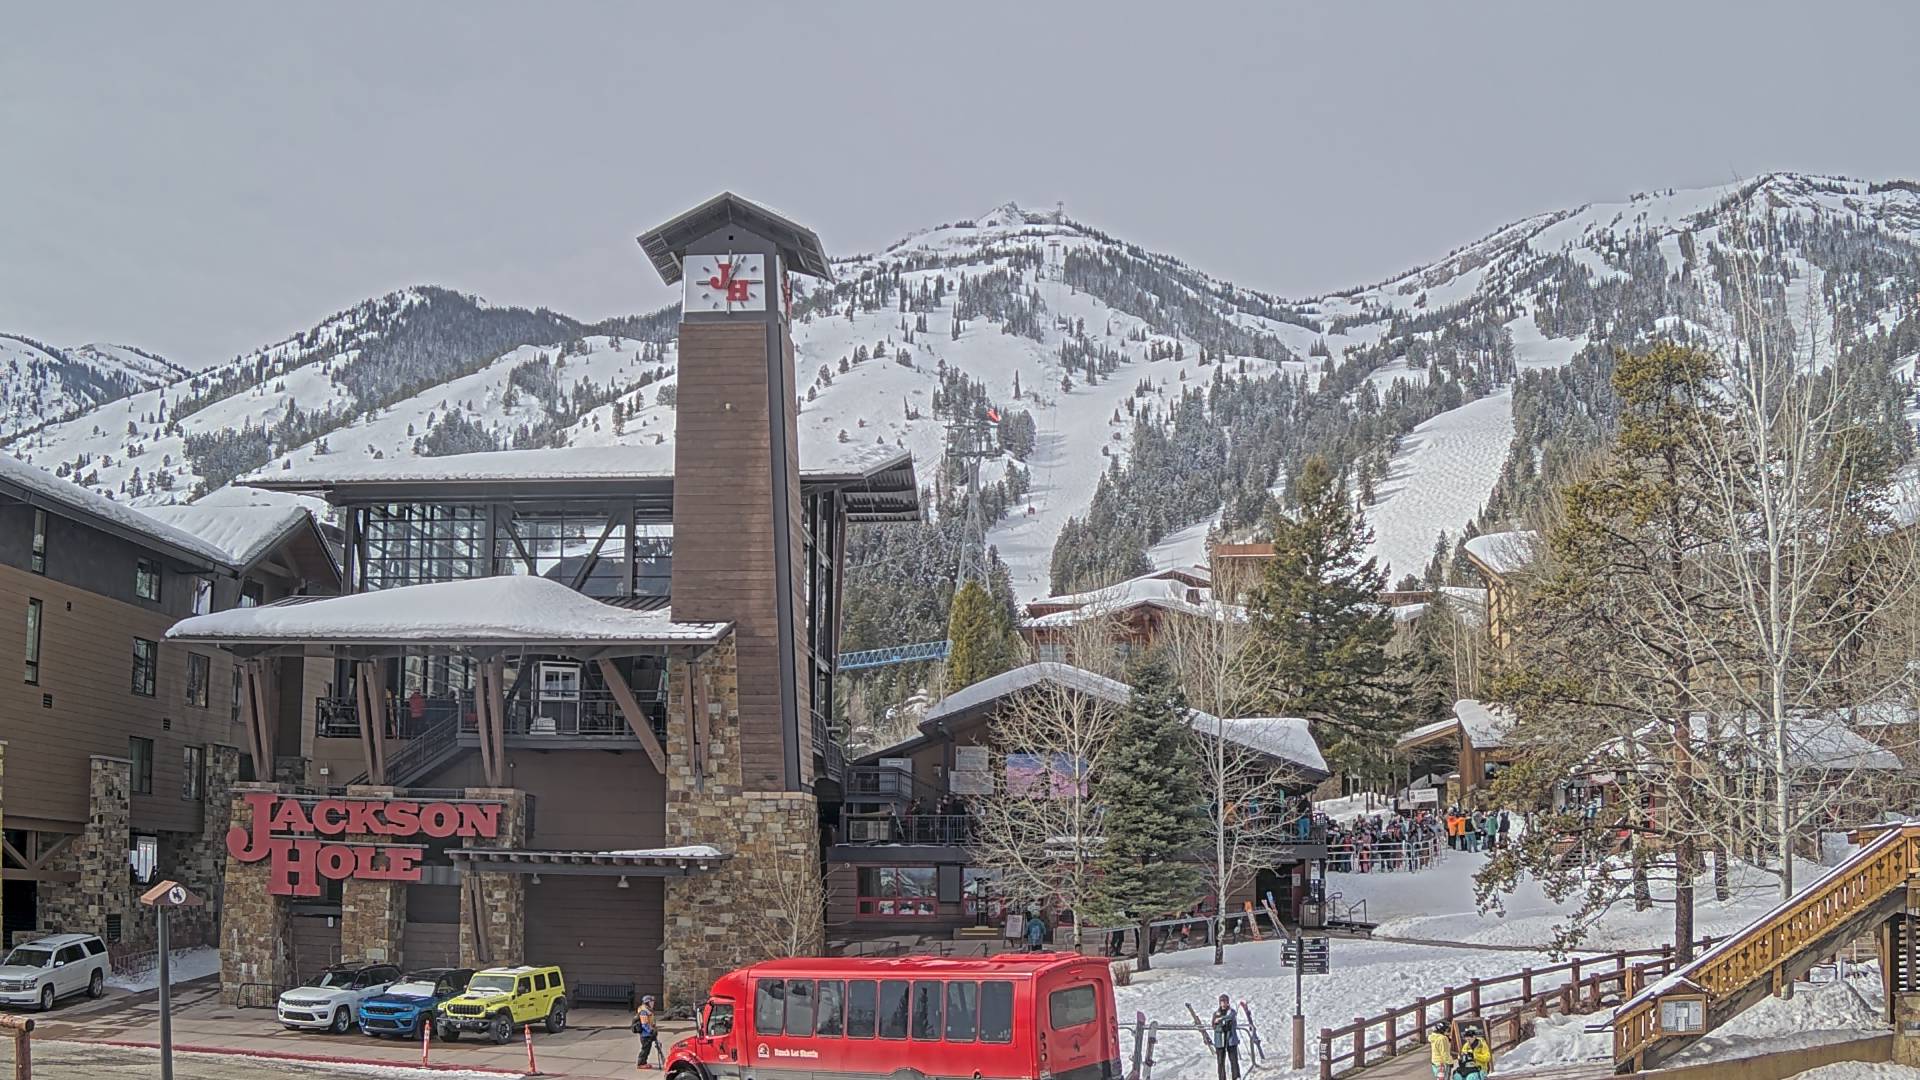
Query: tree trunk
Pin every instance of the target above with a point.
(1146, 943)
(1642, 895)
(1684, 859)
(1722, 873)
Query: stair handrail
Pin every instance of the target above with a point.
(1776, 937)
(433, 738)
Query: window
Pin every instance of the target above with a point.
(526, 986)
(202, 595)
(39, 541)
(719, 1021)
(1070, 1007)
(192, 768)
(251, 593)
(72, 954)
(540, 981)
(769, 1006)
(908, 892)
(146, 664)
(141, 752)
(893, 1009)
(926, 1010)
(199, 674)
(861, 1011)
(33, 640)
(996, 1012)
(961, 998)
(146, 579)
(800, 1007)
(95, 946)
(832, 995)
(146, 855)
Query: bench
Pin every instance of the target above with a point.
(603, 994)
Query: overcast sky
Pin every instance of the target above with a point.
(201, 183)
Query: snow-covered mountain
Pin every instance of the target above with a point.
(1143, 402)
(41, 383)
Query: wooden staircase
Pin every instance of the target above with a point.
(1866, 895)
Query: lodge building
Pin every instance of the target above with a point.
(577, 705)
(118, 748)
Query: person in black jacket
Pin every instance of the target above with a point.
(1226, 1039)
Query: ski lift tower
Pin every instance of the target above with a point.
(971, 440)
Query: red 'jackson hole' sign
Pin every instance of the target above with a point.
(285, 831)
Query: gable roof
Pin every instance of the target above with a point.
(37, 487)
(800, 248)
(244, 533)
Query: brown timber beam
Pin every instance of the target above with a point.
(629, 708)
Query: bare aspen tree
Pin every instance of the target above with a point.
(794, 919)
(1040, 830)
(1221, 670)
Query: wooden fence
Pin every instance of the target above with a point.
(1503, 1006)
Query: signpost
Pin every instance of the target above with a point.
(1306, 956)
(163, 898)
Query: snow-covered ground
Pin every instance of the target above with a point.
(1439, 478)
(185, 966)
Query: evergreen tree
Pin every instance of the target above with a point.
(1148, 787)
(981, 636)
(1318, 617)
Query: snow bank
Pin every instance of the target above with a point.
(1814, 1016)
(1859, 1070)
(1559, 1040)
(184, 965)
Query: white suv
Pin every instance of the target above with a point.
(332, 1001)
(39, 972)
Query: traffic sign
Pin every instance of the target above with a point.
(170, 894)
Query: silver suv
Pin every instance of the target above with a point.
(40, 972)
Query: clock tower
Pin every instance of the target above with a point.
(739, 557)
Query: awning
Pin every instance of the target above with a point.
(648, 862)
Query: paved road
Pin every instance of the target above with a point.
(91, 1061)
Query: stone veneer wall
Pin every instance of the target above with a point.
(722, 919)
(99, 855)
(198, 859)
(255, 944)
(503, 897)
(373, 914)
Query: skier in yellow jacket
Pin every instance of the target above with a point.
(1442, 1047)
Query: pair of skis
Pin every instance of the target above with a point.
(1257, 1050)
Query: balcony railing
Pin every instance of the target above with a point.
(886, 783)
(592, 714)
(933, 830)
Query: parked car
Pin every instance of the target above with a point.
(332, 1001)
(412, 1001)
(499, 1000)
(40, 972)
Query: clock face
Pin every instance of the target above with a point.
(726, 283)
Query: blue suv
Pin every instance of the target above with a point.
(405, 1005)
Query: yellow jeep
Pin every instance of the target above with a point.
(500, 1000)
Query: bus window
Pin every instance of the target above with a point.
(926, 1010)
(800, 1007)
(770, 1006)
(860, 1008)
(831, 994)
(893, 1009)
(1071, 1007)
(996, 1012)
(960, 1011)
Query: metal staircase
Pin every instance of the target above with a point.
(1865, 895)
(430, 748)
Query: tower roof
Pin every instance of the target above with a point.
(799, 246)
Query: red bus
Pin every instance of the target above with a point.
(1017, 1016)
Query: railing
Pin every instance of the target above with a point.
(894, 654)
(339, 717)
(1581, 985)
(949, 830)
(1374, 858)
(1769, 943)
(335, 718)
(413, 758)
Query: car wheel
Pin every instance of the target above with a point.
(501, 1029)
(557, 1018)
(46, 999)
(97, 985)
(447, 1032)
(342, 1020)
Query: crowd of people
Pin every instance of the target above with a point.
(1382, 842)
(1478, 830)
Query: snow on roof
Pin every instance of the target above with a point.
(1286, 738)
(1157, 585)
(244, 533)
(1503, 552)
(492, 609)
(1485, 726)
(1427, 731)
(1289, 738)
(43, 484)
(1101, 608)
(822, 456)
